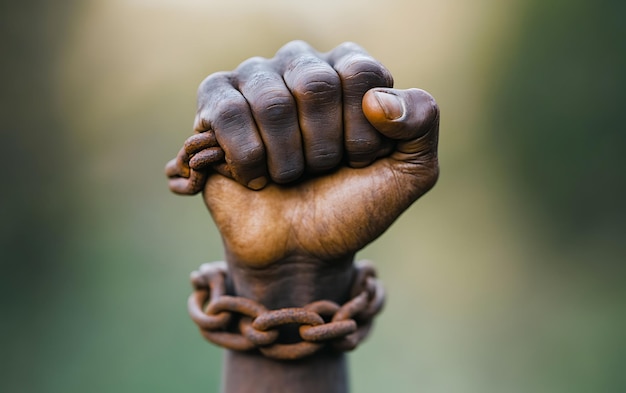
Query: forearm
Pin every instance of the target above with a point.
(251, 372)
(295, 282)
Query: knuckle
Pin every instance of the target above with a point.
(253, 152)
(323, 158)
(293, 47)
(230, 110)
(201, 122)
(363, 69)
(250, 65)
(246, 154)
(434, 107)
(212, 81)
(268, 97)
(428, 107)
(276, 107)
(425, 97)
(350, 47)
(258, 79)
(318, 83)
(321, 83)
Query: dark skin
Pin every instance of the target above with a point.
(321, 156)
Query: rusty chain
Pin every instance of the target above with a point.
(321, 323)
(187, 172)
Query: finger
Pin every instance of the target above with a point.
(411, 117)
(317, 90)
(359, 72)
(225, 110)
(274, 111)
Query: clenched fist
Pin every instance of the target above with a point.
(305, 158)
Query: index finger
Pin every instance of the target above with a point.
(225, 110)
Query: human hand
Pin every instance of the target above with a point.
(321, 154)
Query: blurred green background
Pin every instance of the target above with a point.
(507, 277)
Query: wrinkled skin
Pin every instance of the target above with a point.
(322, 155)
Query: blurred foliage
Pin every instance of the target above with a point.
(558, 118)
(507, 277)
(36, 217)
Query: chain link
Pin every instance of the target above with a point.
(243, 324)
(188, 172)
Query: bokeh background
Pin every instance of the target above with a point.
(507, 277)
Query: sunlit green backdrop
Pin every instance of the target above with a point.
(508, 277)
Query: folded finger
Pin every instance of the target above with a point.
(225, 110)
(359, 72)
(317, 90)
(275, 114)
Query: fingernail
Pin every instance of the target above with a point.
(391, 105)
(258, 183)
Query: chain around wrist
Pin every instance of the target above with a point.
(242, 324)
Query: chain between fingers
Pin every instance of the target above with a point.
(187, 173)
(242, 324)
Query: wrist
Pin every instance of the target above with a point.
(243, 324)
(292, 281)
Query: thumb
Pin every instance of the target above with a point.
(410, 117)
